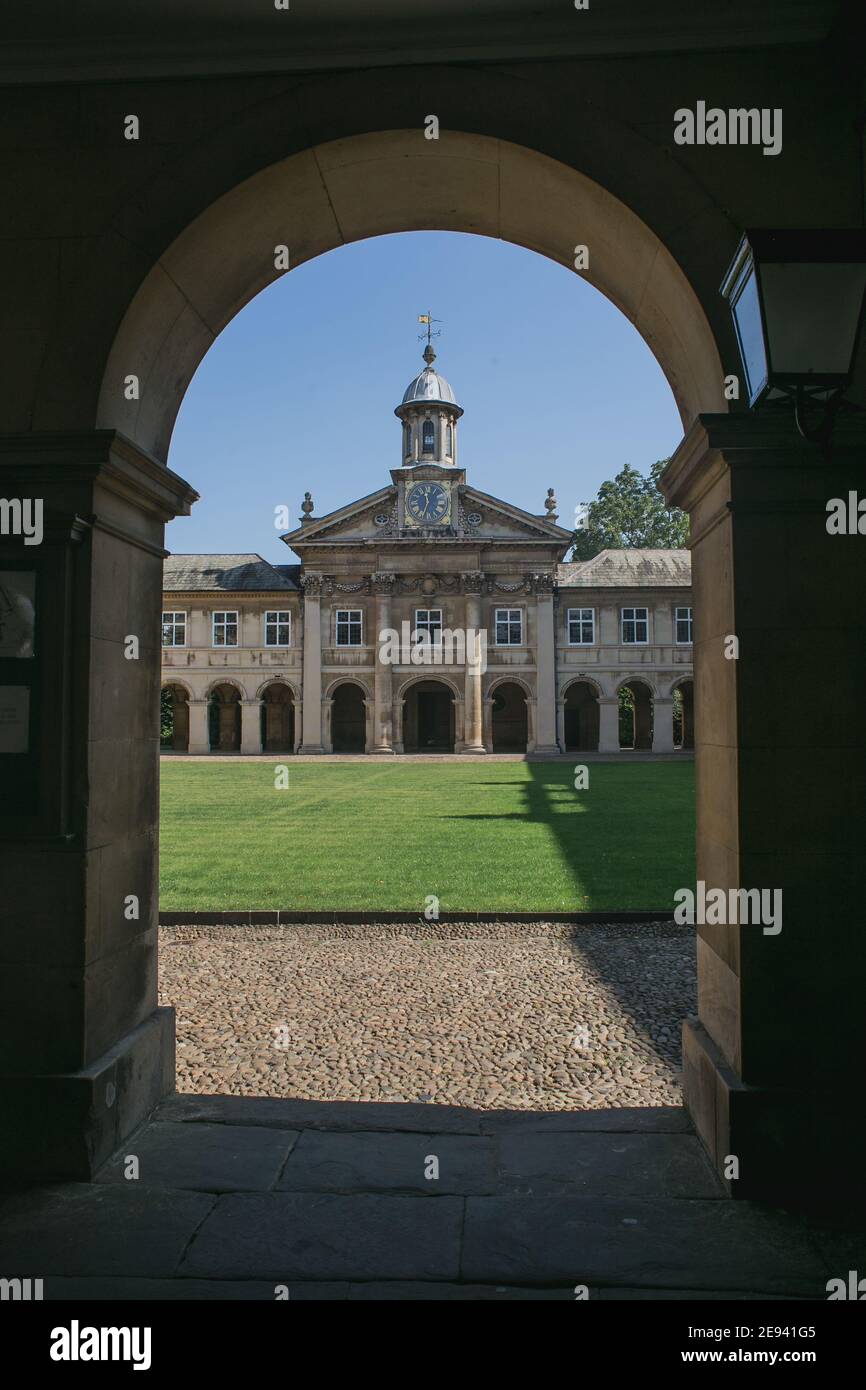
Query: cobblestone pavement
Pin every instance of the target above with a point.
(518, 1016)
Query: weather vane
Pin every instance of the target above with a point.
(431, 332)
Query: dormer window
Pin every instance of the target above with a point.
(428, 437)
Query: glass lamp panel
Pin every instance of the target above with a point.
(750, 332)
(812, 312)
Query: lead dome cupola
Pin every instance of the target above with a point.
(429, 413)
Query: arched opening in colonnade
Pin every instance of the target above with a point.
(509, 718)
(580, 717)
(361, 188)
(277, 718)
(224, 718)
(684, 715)
(174, 719)
(428, 719)
(348, 718)
(636, 716)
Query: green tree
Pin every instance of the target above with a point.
(166, 716)
(630, 513)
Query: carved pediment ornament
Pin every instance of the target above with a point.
(473, 582)
(429, 584)
(384, 582)
(502, 586)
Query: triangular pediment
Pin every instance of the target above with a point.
(478, 516)
(355, 521)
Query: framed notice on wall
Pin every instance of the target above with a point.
(17, 614)
(14, 719)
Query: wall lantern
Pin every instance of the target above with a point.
(797, 303)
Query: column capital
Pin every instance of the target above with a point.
(746, 438)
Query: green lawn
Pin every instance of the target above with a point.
(502, 836)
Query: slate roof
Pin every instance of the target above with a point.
(628, 569)
(226, 573)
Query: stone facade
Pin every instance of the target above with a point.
(293, 658)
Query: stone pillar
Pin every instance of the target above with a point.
(545, 666)
(327, 725)
(85, 1054)
(199, 741)
(770, 1064)
(251, 726)
(560, 724)
(398, 706)
(608, 724)
(663, 726)
(312, 736)
(487, 720)
(473, 732)
(383, 587)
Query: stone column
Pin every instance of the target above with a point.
(487, 710)
(770, 1063)
(531, 723)
(398, 706)
(663, 726)
(298, 725)
(473, 733)
(85, 1054)
(383, 587)
(560, 723)
(199, 741)
(312, 737)
(251, 726)
(545, 666)
(608, 724)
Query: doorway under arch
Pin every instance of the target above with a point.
(224, 719)
(684, 715)
(278, 719)
(174, 724)
(510, 718)
(348, 719)
(636, 716)
(581, 717)
(429, 718)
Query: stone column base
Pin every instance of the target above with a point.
(804, 1148)
(66, 1126)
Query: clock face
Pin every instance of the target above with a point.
(428, 504)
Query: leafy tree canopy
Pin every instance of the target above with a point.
(630, 513)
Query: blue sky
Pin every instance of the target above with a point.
(298, 392)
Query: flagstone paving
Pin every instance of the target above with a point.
(236, 1198)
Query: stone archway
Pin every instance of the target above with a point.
(348, 718)
(428, 718)
(175, 702)
(509, 718)
(277, 718)
(581, 717)
(176, 257)
(224, 718)
(684, 715)
(375, 184)
(635, 715)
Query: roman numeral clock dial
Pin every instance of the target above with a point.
(428, 504)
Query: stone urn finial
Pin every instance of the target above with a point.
(551, 504)
(307, 508)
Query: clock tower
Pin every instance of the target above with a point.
(428, 476)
